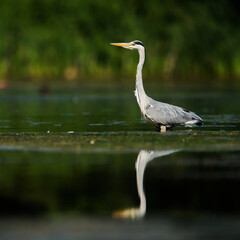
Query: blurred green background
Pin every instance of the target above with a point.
(47, 40)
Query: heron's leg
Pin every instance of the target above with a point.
(163, 128)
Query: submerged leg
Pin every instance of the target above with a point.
(163, 128)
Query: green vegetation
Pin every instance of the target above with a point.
(120, 141)
(57, 39)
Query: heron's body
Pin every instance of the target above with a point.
(162, 115)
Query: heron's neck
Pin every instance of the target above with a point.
(139, 92)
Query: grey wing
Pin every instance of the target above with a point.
(170, 115)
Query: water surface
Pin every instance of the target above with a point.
(171, 194)
(82, 164)
(78, 110)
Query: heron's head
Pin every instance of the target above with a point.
(137, 45)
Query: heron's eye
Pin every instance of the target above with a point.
(133, 44)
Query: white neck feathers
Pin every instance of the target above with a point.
(139, 92)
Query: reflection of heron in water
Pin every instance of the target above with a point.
(143, 158)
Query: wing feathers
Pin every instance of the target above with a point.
(170, 115)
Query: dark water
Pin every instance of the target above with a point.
(188, 195)
(169, 194)
(64, 110)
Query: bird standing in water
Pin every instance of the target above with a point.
(163, 115)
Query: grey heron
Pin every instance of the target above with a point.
(163, 115)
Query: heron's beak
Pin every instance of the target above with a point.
(124, 45)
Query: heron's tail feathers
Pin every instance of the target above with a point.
(197, 122)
